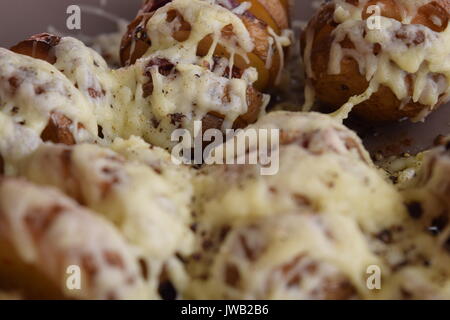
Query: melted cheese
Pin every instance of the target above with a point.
(323, 170)
(147, 209)
(338, 159)
(192, 90)
(146, 197)
(16, 142)
(273, 258)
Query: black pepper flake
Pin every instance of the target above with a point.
(393, 179)
(155, 122)
(415, 209)
(144, 268)
(194, 227)
(100, 132)
(385, 236)
(196, 256)
(167, 291)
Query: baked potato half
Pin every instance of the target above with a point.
(414, 30)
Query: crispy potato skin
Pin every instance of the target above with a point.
(335, 90)
(38, 46)
(58, 131)
(273, 12)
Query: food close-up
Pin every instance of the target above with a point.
(350, 97)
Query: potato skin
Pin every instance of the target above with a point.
(38, 46)
(58, 130)
(336, 90)
(273, 12)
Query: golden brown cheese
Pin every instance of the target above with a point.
(16, 142)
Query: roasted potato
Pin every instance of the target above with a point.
(136, 42)
(43, 233)
(40, 46)
(335, 89)
(262, 14)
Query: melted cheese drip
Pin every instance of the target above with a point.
(280, 41)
